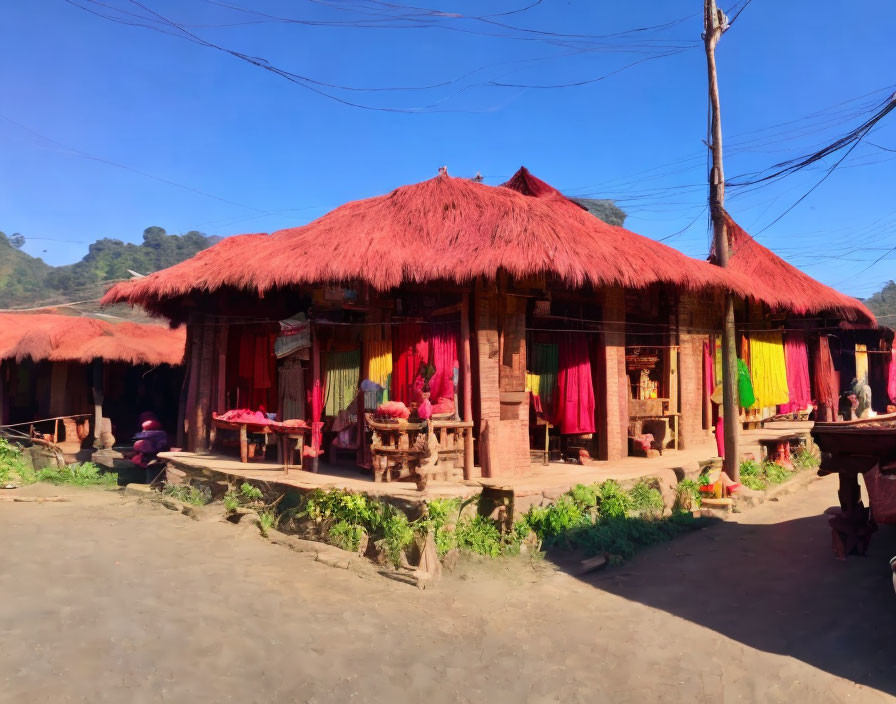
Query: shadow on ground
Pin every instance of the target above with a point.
(779, 589)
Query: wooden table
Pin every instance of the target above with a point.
(283, 433)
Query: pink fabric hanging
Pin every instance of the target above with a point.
(796, 361)
(574, 402)
(891, 376)
(825, 383)
(443, 354)
(317, 408)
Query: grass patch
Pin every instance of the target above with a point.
(78, 474)
(188, 494)
(760, 476)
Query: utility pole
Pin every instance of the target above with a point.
(714, 24)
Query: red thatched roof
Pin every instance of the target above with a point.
(782, 286)
(62, 338)
(445, 228)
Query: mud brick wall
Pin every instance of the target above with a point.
(614, 428)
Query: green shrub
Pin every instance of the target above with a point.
(77, 474)
(397, 533)
(13, 466)
(804, 459)
(249, 493)
(346, 536)
(480, 535)
(646, 500)
(232, 501)
(188, 494)
(267, 519)
(687, 495)
(775, 473)
(613, 501)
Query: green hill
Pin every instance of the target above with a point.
(883, 304)
(28, 281)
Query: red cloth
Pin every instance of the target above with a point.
(796, 361)
(881, 495)
(443, 353)
(574, 403)
(891, 376)
(824, 377)
(409, 350)
(317, 408)
(720, 436)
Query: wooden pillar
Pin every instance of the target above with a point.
(195, 336)
(467, 377)
(218, 402)
(207, 364)
(182, 400)
(487, 351)
(614, 425)
(97, 389)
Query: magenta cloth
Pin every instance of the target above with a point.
(317, 409)
(720, 436)
(709, 369)
(574, 402)
(891, 376)
(443, 355)
(796, 361)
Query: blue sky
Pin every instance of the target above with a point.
(275, 154)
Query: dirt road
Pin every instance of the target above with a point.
(104, 599)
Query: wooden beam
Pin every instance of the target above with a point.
(97, 389)
(466, 373)
(182, 399)
(207, 363)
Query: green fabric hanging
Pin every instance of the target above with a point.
(744, 385)
(343, 377)
(545, 363)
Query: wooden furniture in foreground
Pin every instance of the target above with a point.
(655, 409)
(289, 439)
(851, 448)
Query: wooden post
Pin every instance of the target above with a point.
(207, 363)
(466, 373)
(715, 23)
(3, 392)
(97, 388)
(195, 335)
(184, 387)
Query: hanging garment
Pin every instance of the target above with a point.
(769, 370)
(861, 362)
(574, 402)
(825, 385)
(342, 379)
(891, 376)
(291, 378)
(443, 356)
(796, 360)
(409, 351)
(377, 355)
(878, 379)
(544, 364)
(745, 393)
(317, 405)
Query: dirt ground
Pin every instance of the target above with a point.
(107, 599)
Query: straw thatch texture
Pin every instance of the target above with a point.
(782, 286)
(61, 338)
(442, 229)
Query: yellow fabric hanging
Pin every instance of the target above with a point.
(862, 362)
(378, 351)
(533, 383)
(768, 369)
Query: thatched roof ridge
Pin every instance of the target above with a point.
(63, 338)
(782, 286)
(445, 228)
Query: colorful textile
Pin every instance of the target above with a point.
(796, 359)
(574, 402)
(825, 384)
(745, 393)
(317, 406)
(891, 376)
(544, 364)
(861, 362)
(409, 351)
(291, 377)
(377, 355)
(443, 338)
(769, 370)
(343, 377)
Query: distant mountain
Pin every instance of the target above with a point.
(883, 304)
(27, 281)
